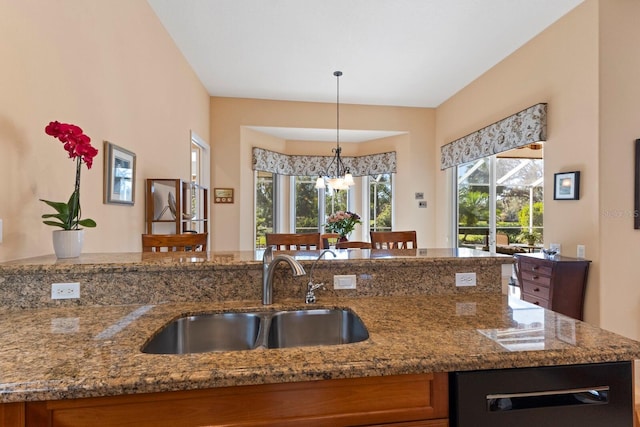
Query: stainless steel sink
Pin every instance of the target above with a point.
(315, 327)
(206, 332)
(250, 330)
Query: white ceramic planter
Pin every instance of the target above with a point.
(68, 243)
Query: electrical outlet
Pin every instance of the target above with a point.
(465, 279)
(422, 204)
(345, 281)
(65, 290)
(580, 251)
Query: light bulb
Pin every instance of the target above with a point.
(348, 179)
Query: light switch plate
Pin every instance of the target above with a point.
(580, 251)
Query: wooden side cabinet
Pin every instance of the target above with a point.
(557, 283)
(397, 400)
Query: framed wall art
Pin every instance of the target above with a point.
(223, 195)
(566, 186)
(119, 175)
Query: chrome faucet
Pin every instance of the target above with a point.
(268, 267)
(310, 296)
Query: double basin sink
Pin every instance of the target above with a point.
(230, 331)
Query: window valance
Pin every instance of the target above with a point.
(518, 130)
(284, 164)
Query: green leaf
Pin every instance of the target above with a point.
(55, 224)
(60, 207)
(87, 222)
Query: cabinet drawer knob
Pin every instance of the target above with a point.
(537, 302)
(535, 277)
(534, 268)
(536, 290)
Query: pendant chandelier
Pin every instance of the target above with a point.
(341, 178)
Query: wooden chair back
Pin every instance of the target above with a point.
(502, 239)
(329, 240)
(353, 244)
(293, 241)
(174, 242)
(393, 239)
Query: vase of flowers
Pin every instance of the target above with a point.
(343, 223)
(67, 242)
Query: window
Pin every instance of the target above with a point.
(302, 208)
(200, 169)
(380, 198)
(264, 212)
(496, 196)
(306, 210)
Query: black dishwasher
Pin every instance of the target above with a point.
(599, 394)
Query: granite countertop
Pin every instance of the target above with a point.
(240, 259)
(88, 351)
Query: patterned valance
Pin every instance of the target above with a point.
(284, 164)
(515, 131)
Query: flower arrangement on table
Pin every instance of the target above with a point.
(79, 147)
(342, 222)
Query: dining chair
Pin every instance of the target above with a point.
(393, 239)
(174, 242)
(353, 244)
(329, 240)
(502, 239)
(294, 241)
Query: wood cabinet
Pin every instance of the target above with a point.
(400, 400)
(557, 283)
(174, 206)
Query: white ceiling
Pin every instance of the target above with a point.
(324, 135)
(392, 52)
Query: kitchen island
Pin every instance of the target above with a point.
(75, 351)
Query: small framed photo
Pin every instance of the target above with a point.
(119, 175)
(223, 195)
(566, 186)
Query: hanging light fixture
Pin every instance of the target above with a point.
(342, 178)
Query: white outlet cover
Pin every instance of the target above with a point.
(65, 290)
(344, 281)
(465, 279)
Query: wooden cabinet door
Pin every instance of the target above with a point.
(408, 399)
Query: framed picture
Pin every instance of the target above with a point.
(636, 204)
(119, 175)
(566, 186)
(223, 195)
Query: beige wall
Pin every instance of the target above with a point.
(559, 67)
(231, 157)
(111, 68)
(619, 127)
(585, 67)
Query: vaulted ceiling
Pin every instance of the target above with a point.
(392, 52)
